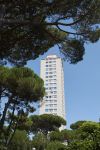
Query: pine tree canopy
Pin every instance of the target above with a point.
(28, 28)
(20, 88)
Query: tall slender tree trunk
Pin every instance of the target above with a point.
(4, 114)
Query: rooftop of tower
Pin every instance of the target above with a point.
(51, 56)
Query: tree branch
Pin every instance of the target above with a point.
(68, 31)
(9, 127)
(4, 113)
(9, 141)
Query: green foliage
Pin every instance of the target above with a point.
(56, 136)
(46, 122)
(29, 28)
(64, 135)
(90, 127)
(76, 125)
(87, 136)
(39, 141)
(20, 141)
(20, 80)
(81, 145)
(56, 146)
(20, 87)
(73, 50)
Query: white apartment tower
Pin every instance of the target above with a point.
(51, 71)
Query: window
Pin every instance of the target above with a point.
(54, 79)
(46, 110)
(55, 100)
(55, 109)
(51, 92)
(46, 84)
(50, 76)
(50, 101)
(50, 65)
(50, 69)
(50, 72)
(55, 96)
(50, 105)
(54, 75)
(50, 110)
(54, 87)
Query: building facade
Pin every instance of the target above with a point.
(51, 71)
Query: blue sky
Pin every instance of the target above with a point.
(82, 84)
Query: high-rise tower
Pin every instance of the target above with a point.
(51, 71)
